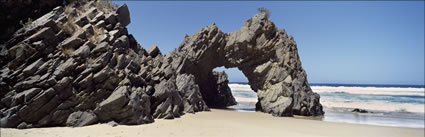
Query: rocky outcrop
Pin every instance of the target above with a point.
(215, 90)
(14, 14)
(267, 56)
(77, 65)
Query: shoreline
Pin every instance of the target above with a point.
(223, 122)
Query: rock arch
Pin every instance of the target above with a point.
(53, 76)
(267, 56)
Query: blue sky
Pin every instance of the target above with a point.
(338, 41)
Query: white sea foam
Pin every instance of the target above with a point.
(353, 90)
(373, 105)
(370, 90)
(244, 99)
(245, 87)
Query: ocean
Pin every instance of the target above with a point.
(388, 105)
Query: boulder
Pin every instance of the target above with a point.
(102, 75)
(72, 42)
(111, 19)
(123, 15)
(111, 106)
(30, 70)
(100, 48)
(38, 106)
(81, 21)
(9, 121)
(44, 33)
(166, 100)
(154, 51)
(99, 17)
(112, 123)
(64, 88)
(83, 52)
(216, 92)
(100, 24)
(81, 118)
(27, 95)
(192, 97)
(359, 110)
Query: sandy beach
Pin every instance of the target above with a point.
(223, 123)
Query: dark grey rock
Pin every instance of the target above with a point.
(38, 106)
(360, 110)
(215, 90)
(102, 75)
(154, 51)
(27, 95)
(100, 24)
(100, 48)
(112, 123)
(45, 33)
(121, 42)
(81, 118)
(83, 51)
(165, 99)
(64, 88)
(111, 19)
(9, 121)
(123, 15)
(72, 42)
(98, 18)
(23, 125)
(192, 98)
(65, 68)
(29, 70)
(117, 100)
(81, 21)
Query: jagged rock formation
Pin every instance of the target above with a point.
(267, 56)
(216, 92)
(78, 65)
(13, 11)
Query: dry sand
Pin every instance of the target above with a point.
(222, 123)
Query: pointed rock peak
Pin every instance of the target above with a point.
(123, 15)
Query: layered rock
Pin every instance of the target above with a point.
(267, 56)
(14, 14)
(78, 65)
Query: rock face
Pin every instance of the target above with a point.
(215, 90)
(267, 56)
(78, 65)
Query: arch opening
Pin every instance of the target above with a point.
(245, 97)
(268, 57)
